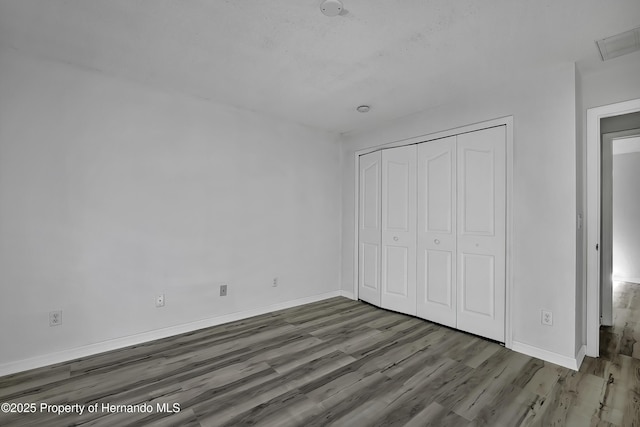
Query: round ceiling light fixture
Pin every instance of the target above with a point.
(363, 109)
(331, 7)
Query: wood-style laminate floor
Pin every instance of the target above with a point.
(344, 363)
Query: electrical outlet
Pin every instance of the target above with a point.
(547, 318)
(160, 300)
(223, 290)
(55, 318)
(275, 282)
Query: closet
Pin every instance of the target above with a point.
(431, 230)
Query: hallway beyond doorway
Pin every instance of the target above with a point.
(623, 337)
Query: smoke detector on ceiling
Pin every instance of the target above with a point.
(331, 7)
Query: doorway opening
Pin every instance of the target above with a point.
(620, 274)
(604, 126)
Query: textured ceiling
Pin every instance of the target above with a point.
(285, 58)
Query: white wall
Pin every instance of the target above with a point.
(112, 192)
(626, 214)
(544, 195)
(610, 82)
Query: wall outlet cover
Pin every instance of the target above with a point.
(55, 318)
(547, 318)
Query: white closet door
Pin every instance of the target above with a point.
(399, 229)
(436, 275)
(481, 232)
(369, 235)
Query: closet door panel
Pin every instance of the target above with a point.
(396, 271)
(436, 236)
(439, 285)
(476, 284)
(399, 229)
(370, 226)
(481, 234)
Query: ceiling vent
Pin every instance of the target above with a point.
(620, 44)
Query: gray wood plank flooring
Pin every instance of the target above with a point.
(343, 363)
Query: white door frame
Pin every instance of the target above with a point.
(503, 121)
(593, 172)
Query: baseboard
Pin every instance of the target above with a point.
(550, 356)
(627, 279)
(347, 294)
(101, 347)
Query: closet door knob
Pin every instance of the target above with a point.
(395, 238)
(436, 241)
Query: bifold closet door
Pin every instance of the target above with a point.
(398, 272)
(432, 235)
(369, 233)
(436, 274)
(481, 232)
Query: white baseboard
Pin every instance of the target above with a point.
(91, 349)
(627, 279)
(347, 294)
(550, 356)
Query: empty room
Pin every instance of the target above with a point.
(320, 212)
